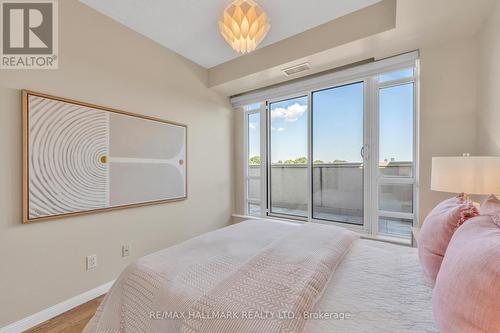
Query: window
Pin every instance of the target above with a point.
(406, 73)
(396, 154)
(253, 160)
(343, 153)
(396, 131)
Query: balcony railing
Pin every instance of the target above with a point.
(338, 192)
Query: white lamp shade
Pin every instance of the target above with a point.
(469, 174)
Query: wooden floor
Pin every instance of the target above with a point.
(72, 321)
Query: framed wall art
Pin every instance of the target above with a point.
(81, 158)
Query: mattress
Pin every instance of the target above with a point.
(377, 287)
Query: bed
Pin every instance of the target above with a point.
(270, 276)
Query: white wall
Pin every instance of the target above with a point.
(105, 63)
(489, 85)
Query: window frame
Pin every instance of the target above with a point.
(263, 161)
(372, 178)
(414, 179)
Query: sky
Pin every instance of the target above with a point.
(337, 122)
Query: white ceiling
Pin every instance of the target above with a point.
(189, 27)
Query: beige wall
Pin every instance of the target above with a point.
(239, 162)
(105, 63)
(489, 85)
(448, 113)
(448, 108)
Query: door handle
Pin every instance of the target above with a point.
(362, 152)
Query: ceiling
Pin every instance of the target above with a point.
(189, 27)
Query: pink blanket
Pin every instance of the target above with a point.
(224, 282)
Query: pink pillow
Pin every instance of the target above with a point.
(437, 230)
(490, 206)
(466, 297)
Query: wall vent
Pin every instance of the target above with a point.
(297, 69)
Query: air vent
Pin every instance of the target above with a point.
(296, 69)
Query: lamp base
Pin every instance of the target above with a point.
(468, 199)
(465, 196)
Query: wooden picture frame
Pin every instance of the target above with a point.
(35, 181)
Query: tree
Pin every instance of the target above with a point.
(254, 160)
(300, 160)
(318, 162)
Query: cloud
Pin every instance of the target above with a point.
(279, 129)
(252, 126)
(290, 114)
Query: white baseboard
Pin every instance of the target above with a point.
(53, 311)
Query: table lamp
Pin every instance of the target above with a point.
(470, 175)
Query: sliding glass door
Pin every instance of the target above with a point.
(337, 149)
(337, 167)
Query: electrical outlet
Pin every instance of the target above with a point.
(91, 261)
(125, 250)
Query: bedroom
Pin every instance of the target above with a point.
(345, 141)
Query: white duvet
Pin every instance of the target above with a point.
(376, 287)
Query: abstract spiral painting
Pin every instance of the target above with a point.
(81, 158)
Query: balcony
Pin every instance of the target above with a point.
(338, 193)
